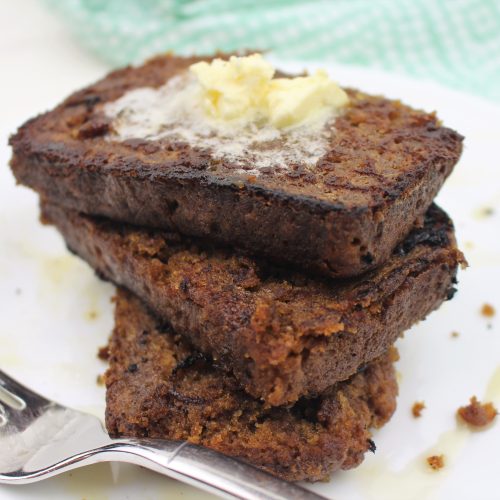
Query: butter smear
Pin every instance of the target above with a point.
(243, 89)
(237, 113)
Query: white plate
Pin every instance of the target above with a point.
(56, 313)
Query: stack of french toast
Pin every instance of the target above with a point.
(257, 303)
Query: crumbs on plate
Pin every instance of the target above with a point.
(488, 311)
(417, 408)
(436, 462)
(477, 414)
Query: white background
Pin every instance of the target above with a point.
(55, 314)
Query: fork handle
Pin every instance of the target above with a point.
(208, 470)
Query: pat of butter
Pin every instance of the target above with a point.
(243, 89)
(295, 100)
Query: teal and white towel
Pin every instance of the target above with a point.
(455, 42)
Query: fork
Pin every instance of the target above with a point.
(40, 438)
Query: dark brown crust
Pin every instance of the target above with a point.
(385, 166)
(282, 334)
(158, 387)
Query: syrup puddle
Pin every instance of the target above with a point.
(416, 480)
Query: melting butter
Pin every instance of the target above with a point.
(243, 89)
(493, 389)
(416, 480)
(235, 112)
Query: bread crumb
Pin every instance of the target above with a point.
(100, 379)
(417, 408)
(103, 353)
(488, 310)
(477, 414)
(455, 335)
(436, 462)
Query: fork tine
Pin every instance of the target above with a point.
(11, 400)
(3, 416)
(16, 395)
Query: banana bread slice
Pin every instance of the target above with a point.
(282, 334)
(384, 164)
(159, 387)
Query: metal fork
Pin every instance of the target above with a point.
(40, 438)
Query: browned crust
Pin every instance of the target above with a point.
(282, 334)
(385, 166)
(159, 387)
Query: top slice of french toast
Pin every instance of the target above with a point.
(384, 163)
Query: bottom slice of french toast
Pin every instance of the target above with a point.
(158, 386)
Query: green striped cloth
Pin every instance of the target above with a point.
(456, 42)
